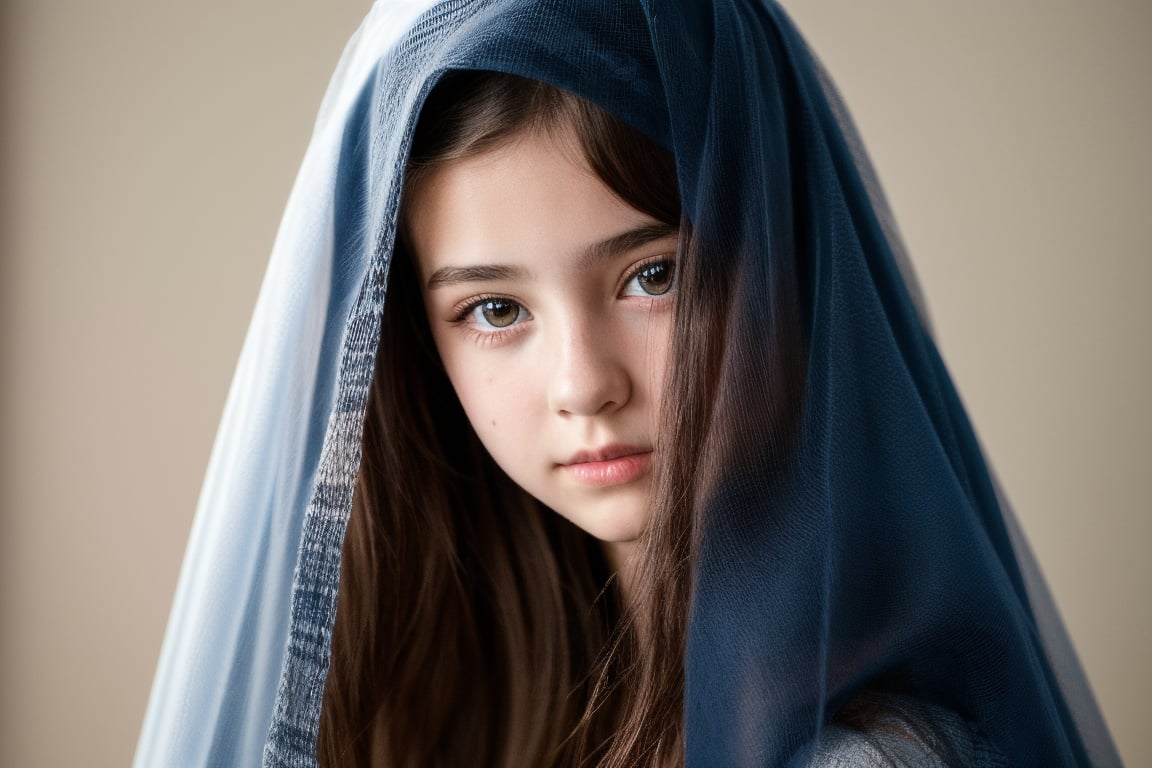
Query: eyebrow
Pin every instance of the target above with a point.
(605, 250)
(626, 241)
(486, 273)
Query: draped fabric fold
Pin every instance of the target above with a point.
(851, 537)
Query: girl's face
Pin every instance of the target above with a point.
(550, 304)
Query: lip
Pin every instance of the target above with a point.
(610, 465)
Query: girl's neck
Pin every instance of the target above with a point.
(621, 557)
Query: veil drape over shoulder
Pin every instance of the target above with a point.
(851, 537)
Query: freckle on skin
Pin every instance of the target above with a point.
(493, 422)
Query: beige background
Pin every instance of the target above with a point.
(148, 149)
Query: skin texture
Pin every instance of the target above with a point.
(579, 364)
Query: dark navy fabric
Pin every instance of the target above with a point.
(852, 539)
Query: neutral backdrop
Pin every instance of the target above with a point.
(147, 151)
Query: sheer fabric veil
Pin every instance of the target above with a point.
(851, 536)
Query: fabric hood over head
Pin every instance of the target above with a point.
(863, 545)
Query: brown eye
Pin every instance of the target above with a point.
(656, 278)
(500, 313)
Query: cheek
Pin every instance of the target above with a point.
(657, 343)
(498, 394)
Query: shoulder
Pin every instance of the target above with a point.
(932, 737)
(841, 747)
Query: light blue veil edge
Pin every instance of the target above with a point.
(213, 695)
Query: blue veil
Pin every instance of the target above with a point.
(851, 536)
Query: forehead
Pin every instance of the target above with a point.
(532, 200)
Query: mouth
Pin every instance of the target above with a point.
(610, 465)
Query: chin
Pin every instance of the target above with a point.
(614, 523)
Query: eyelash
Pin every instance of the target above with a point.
(648, 263)
(462, 311)
(467, 308)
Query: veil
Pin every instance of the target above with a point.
(852, 537)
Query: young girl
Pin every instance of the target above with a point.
(530, 302)
(588, 350)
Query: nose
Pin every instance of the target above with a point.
(589, 375)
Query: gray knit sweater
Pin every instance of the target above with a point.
(950, 741)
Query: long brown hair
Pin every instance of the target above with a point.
(473, 625)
